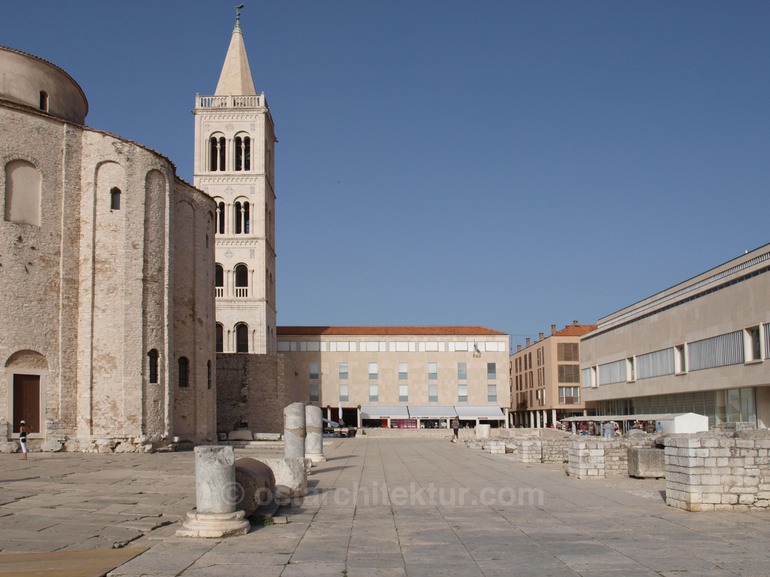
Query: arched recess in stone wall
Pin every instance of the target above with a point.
(109, 290)
(26, 375)
(23, 189)
(155, 303)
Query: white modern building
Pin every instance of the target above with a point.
(700, 346)
(403, 377)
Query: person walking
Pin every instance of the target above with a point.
(23, 439)
(455, 429)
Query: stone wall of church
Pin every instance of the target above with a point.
(193, 313)
(36, 258)
(106, 263)
(252, 391)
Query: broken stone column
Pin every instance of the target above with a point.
(256, 482)
(216, 494)
(314, 441)
(294, 431)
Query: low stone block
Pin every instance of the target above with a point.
(9, 447)
(290, 477)
(240, 436)
(646, 463)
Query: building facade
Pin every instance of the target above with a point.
(107, 267)
(402, 377)
(700, 346)
(234, 163)
(545, 378)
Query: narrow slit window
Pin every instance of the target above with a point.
(115, 199)
(184, 374)
(221, 218)
(43, 101)
(153, 360)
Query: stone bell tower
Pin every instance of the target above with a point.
(234, 163)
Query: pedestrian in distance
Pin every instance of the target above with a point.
(23, 439)
(455, 429)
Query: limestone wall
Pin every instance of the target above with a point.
(599, 458)
(90, 288)
(252, 391)
(718, 472)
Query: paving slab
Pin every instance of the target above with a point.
(384, 507)
(65, 564)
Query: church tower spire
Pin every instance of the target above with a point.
(235, 77)
(234, 164)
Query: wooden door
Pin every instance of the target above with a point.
(26, 402)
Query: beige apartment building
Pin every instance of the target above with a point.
(545, 378)
(700, 346)
(402, 377)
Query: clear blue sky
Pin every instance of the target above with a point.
(512, 164)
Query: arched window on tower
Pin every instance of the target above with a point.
(219, 281)
(221, 218)
(241, 281)
(217, 153)
(242, 217)
(242, 153)
(43, 101)
(241, 338)
(220, 338)
(237, 208)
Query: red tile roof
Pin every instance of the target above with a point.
(362, 331)
(575, 330)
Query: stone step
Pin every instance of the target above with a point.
(253, 444)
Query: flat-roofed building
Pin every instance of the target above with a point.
(402, 377)
(699, 346)
(545, 378)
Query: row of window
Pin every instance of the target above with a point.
(235, 155)
(183, 375)
(343, 372)
(567, 396)
(236, 218)
(565, 353)
(743, 346)
(564, 374)
(241, 331)
(394, 346)
(240, 277)
(218, 153)
(240, 217)
(403, 393)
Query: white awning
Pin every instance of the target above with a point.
(486, 412)
(646, 417)
(432, 411)
(384, 411)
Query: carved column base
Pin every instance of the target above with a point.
(214, 525)
(316, 457)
